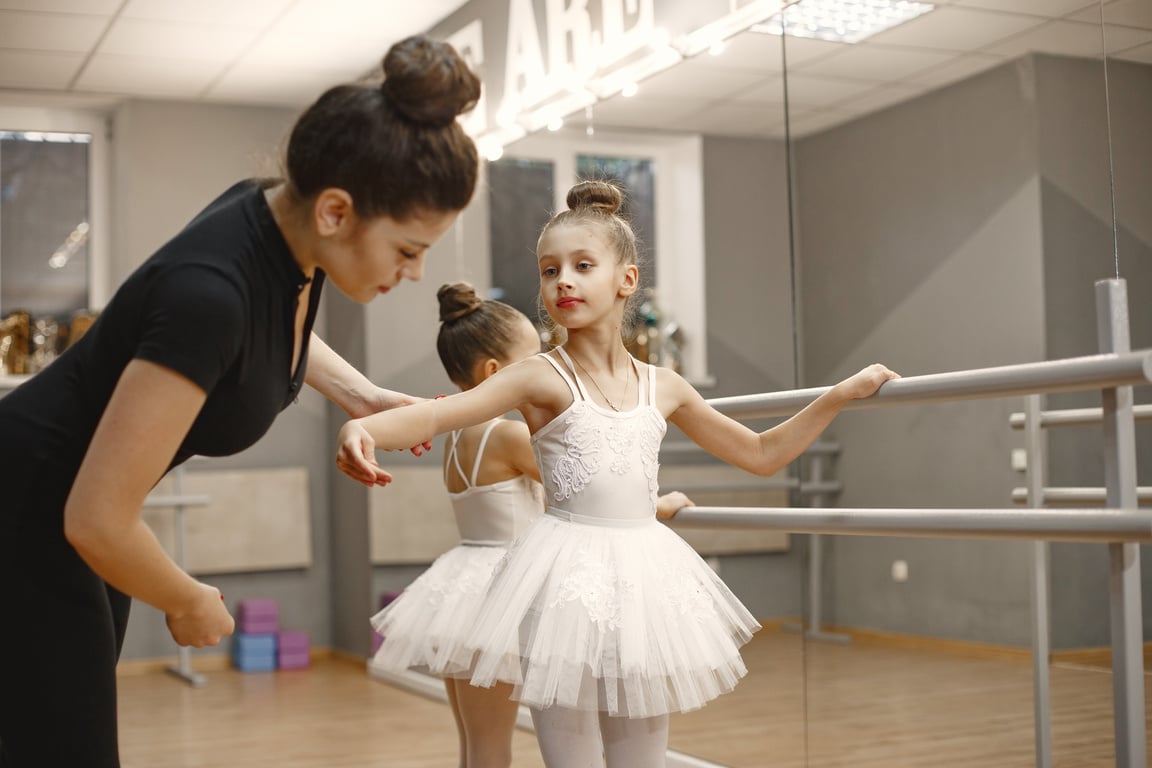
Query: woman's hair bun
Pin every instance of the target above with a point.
(457, 300)
(601, 196)
(427, 81)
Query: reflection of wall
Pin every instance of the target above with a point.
(1078, 250)
(933, 237)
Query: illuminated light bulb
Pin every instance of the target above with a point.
(629, 90)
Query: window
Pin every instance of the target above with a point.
(52, 232)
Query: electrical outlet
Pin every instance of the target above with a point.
(900, 570)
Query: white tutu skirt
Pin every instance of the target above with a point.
(429, 624)
(618, 616)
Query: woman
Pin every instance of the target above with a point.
(196, 353)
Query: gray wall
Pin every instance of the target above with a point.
(1079, 249)
(921, 248)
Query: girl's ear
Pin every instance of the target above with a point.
(629, 281)
(485, 368)
(333, 209)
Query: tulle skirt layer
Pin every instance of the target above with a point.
(623, 619)
(429, 625)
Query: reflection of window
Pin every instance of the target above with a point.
(44, 223)
(520, 204)
(635, 176)
(661, 175)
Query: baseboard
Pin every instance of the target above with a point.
(214, 662)
(1095, 657)
(872, 637)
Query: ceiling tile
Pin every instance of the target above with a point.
(252, 14)
(804, 90)
(878, 98)
(959, 68)
(814, 122)
(169, 40)
(293, 86)
(956, 29)
(36, 69)
(869, 61)
(172, 78)
(83, 7)
(49, 32)
(1071, 38)
(1142, 53)
(694, 76)
(1127, 13)
(1052, 9)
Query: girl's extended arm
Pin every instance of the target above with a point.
(766, 452)
(144, 423)
(359, 439)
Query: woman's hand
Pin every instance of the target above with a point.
(386, 399)
(356, 455)
(671, 503)
(205, 622)
(865, 383)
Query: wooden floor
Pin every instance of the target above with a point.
(810, 704)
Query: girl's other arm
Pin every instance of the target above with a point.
(767, 452)
(670, 503)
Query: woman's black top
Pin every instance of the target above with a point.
(216, 304)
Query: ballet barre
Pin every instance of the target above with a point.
(1083, 525)
(178, 502)
(1121, 525)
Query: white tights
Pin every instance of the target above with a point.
(573, 738)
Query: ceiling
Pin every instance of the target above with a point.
(285, 52)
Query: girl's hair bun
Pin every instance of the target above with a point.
(600, 196)
(457, 300)
(428, 82)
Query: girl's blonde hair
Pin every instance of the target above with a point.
(595, 203)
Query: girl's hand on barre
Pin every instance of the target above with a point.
(866, 382)
(671, 503)
(356, 456)
(205, 622)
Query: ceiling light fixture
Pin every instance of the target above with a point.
(842, 21)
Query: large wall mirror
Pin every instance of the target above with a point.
(938, 191)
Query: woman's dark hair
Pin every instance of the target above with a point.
(472, 329)
(395, 147)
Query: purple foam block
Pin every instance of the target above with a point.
(258, 608)
(293, 641)
(386, 598)
(250, 626)
(294, 660)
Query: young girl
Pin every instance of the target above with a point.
(604, 620)
(494, 485)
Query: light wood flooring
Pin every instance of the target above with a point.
(804, 704)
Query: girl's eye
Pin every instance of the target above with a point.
(549, 271)
(409, 254)
(584, 265)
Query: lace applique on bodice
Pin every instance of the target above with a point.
(598, 462)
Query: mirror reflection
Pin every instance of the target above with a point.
(938, 194)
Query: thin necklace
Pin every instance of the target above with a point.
(593, 380)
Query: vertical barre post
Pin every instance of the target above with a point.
(183, 667)
(816, 561)
(1124, 558)
(1041, 645)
